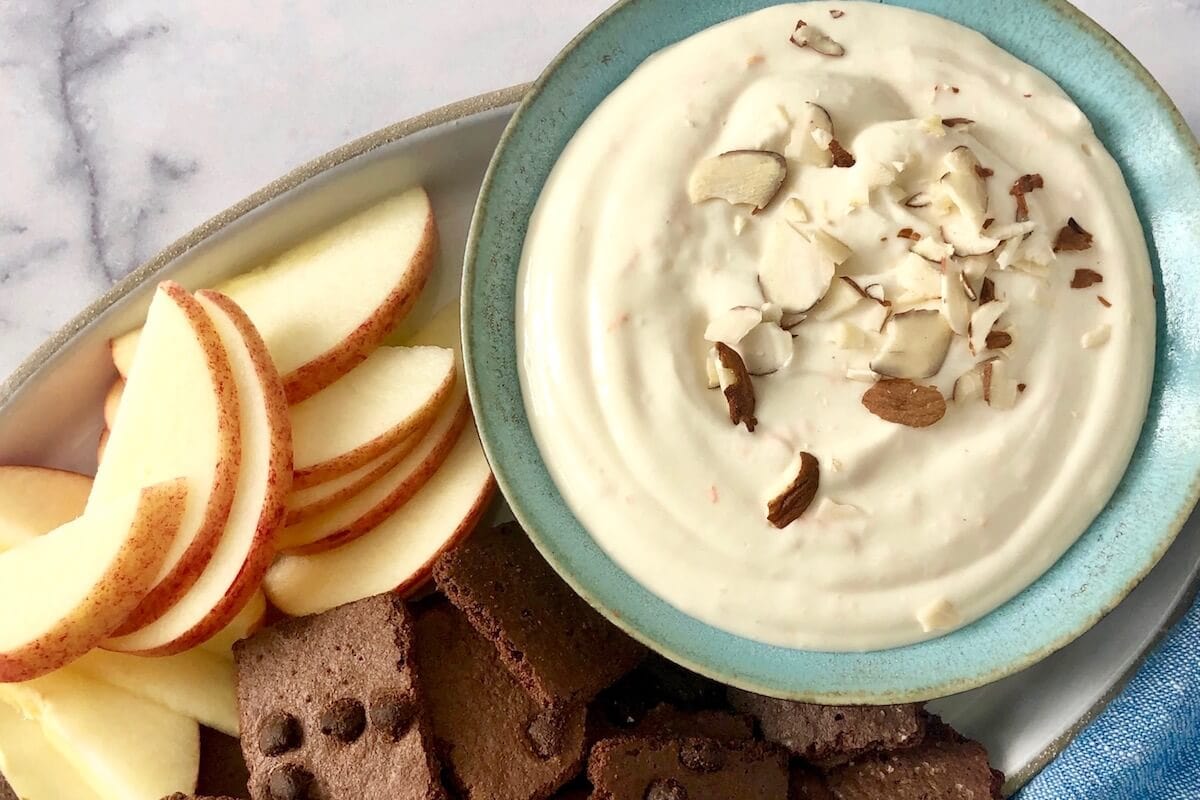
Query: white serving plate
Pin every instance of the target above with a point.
(50, 408)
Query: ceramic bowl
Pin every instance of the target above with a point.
(1161, 160)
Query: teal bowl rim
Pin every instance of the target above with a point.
(772, 670)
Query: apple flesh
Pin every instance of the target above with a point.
(196, 684)
(397, 554)
(247, 622)
(303, 504)
(396, 391)
(122, 746)
(32, 766)
(34, 500)
(178, 417)
(245, 549)
(112, 401)
(75, 584)
(345, 290)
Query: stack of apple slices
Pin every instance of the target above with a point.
(261, 442)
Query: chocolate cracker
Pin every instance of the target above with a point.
(652, 768)
(331, 708)
(946, 766)
(560, 649)
(6, 791)
(832, 734)
(497, 742)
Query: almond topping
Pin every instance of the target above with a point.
(836, 14)
(964, 187)
(908, 233)
(794, 273)
(732, 325)
(736, 386)
(766, 348)
(982, 321)
(984, 172)
(956, 304)
(905, 403)
(1021, 187)
(786, 507)
(999, 391)
(841, 156)
(918, 200)
(954, 122)
(998, 340)
(914, 346)
(806, 35)
(1084, 278)
(810, 140)
(739, 177)
(1103, 301)
(987, 292)
(1072, 237)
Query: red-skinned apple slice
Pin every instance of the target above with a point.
(245, 550)
(252, 617)
(32, 766)
(399, 553)
(34, 500)
(346, 289)
(304, 504)
(75, 584)
(369, 411)
(178, 417)
(360, 513)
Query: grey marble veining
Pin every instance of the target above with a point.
(124, 123)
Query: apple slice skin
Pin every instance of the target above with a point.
(305, 503)
(309, 584)
(124, 583)
(170, 634)
(247, 622)
(301, 541)
(191, 563)
(310, 378)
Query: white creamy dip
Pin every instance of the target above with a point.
(912, 531)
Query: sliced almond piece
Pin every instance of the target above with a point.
(998, 340)
(792, 273)
(794, 211)
(1021, 187)
(974, 269)
(999, 389)
(1072, 237)
(862, 375)
(1011, 230)
(810, 140)
(739, 177)
(969, 386)
(712, 367)
(932, 248)
(938, 615)
(964, 187)
(843, 295)
(966, 239)
(1006, 254)
(918, 278)
(829, 246)
(806, 35)
(765, 349)
(1083, 278)
(919, 200)
(842, 157)
(736, 386)
(803, 480)
(955, 305)
(771, 313)
(730, 326)
(982, 320)
(905, 403)
(914, 346)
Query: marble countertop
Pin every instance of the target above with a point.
(124, 123)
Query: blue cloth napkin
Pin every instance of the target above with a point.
(1146, 744)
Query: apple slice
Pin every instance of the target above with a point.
(397, 554)
(364, 510)
(303, 504)
(196, 684)
(74, 585)
(102, 443)
(252, 617)
(369, 411)
(32, 766)
(112, 401)
(124, 747)
(360, 513)
(245, 549)
(178, 417)
(324, 305)
(34, 500)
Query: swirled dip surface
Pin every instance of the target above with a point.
(912, 531)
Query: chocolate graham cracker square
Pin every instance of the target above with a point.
(655, 768)
(497, 743)
(946, 766)
(331, 708)
(832, 734)
(560, 649)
